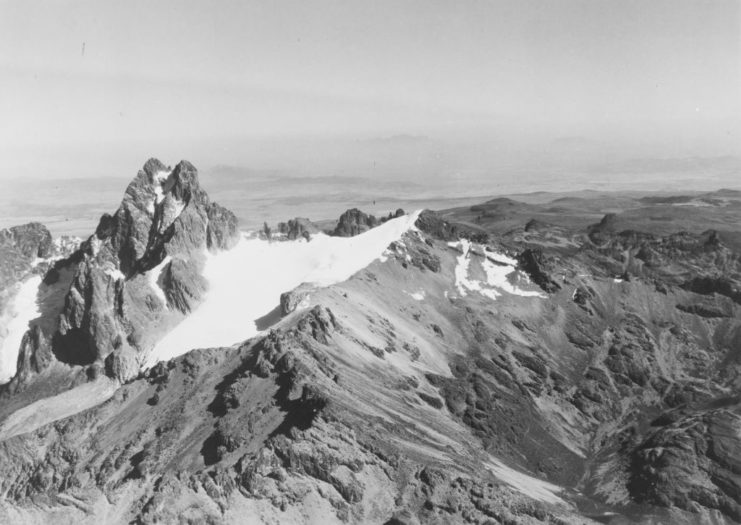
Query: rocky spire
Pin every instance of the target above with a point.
(136, 276)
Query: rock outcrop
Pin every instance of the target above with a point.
(538, 268)
(354, 222)
(601, 231)
(298, 228)
(291, 300)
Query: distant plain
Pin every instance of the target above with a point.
(73, 206)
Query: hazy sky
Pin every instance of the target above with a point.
(85, 84)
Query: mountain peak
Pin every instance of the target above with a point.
(137, 275)
(154, 166)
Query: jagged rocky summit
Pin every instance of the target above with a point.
(137, 275)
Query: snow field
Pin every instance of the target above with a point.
(499, 269)
(245, 282)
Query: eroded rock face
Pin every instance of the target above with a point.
(141, 269)
(354, 222)
(536, 265)
(298, 228)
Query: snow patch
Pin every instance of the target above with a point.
(115, 273)
(161, 176)
(153, 276)
(461, 269)
(95, 244)
(178, 208)
(22, 310)
(497, 275)
(499, 270)
(159, 179)
(245, 282)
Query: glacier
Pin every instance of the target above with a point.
(245, 282)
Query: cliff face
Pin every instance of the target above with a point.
(139, 273)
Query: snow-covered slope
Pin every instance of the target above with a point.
(245, 282)
(19, 313)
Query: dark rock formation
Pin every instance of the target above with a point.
(598, 233)
(536, 266)
(30, 240)
(709, 285)
(435, 226)
(534, 225)
(432, 224)
(423, 258)
(716, 307)
(354, 222)
(298, 227)
(222, 232)
(395, 215)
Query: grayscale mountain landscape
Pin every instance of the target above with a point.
(377, 263)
